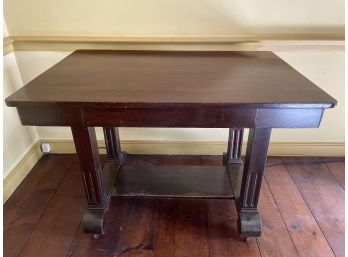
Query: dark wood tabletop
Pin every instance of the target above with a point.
(164, 78)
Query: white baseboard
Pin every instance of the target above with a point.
(208, 147)
(13, 179)
(20, 171)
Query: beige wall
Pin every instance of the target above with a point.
(173, 17)
(212, 19)
(326, 69)
(17, 139)
(4, 30)
(181, 18)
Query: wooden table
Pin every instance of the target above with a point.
(111, 89)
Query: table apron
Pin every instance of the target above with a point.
(209, 117)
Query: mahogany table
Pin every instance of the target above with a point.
(111, 89)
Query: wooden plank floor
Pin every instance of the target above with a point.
(301, 205)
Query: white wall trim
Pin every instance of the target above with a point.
(7, 45)
(15, 176)
(275, 43)
(208, 147)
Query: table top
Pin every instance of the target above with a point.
(147, 79)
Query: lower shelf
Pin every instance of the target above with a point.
(174, 181)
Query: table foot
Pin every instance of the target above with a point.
(93, 221)
(249, 224)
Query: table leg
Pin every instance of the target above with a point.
(112, 143)
(234, 148)
(249, 221)
(97, 200)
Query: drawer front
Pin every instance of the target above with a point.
(173, 117)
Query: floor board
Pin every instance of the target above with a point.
(164, 238)
(137, 237)
(55, 230)
(84, 244)
(319, 187)
(301, 206)
(336, 167)
(302, 226)
(223, 233)
(191, 235)
(275, 240)
(28, 203)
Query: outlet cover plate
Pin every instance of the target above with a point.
(46, 148)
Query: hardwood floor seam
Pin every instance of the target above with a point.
(338, 182)
(48, 204)
(310, 209)
(68, 253)
(258, 247)
(281, 215)
(122, 224)
(207, 225)
(42, 214)
(46, 207)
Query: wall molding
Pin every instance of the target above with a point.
(208, 147)
(277, 43)
(7, 45)
(13, 179)
(15, 176)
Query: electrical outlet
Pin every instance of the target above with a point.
(46, 148)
